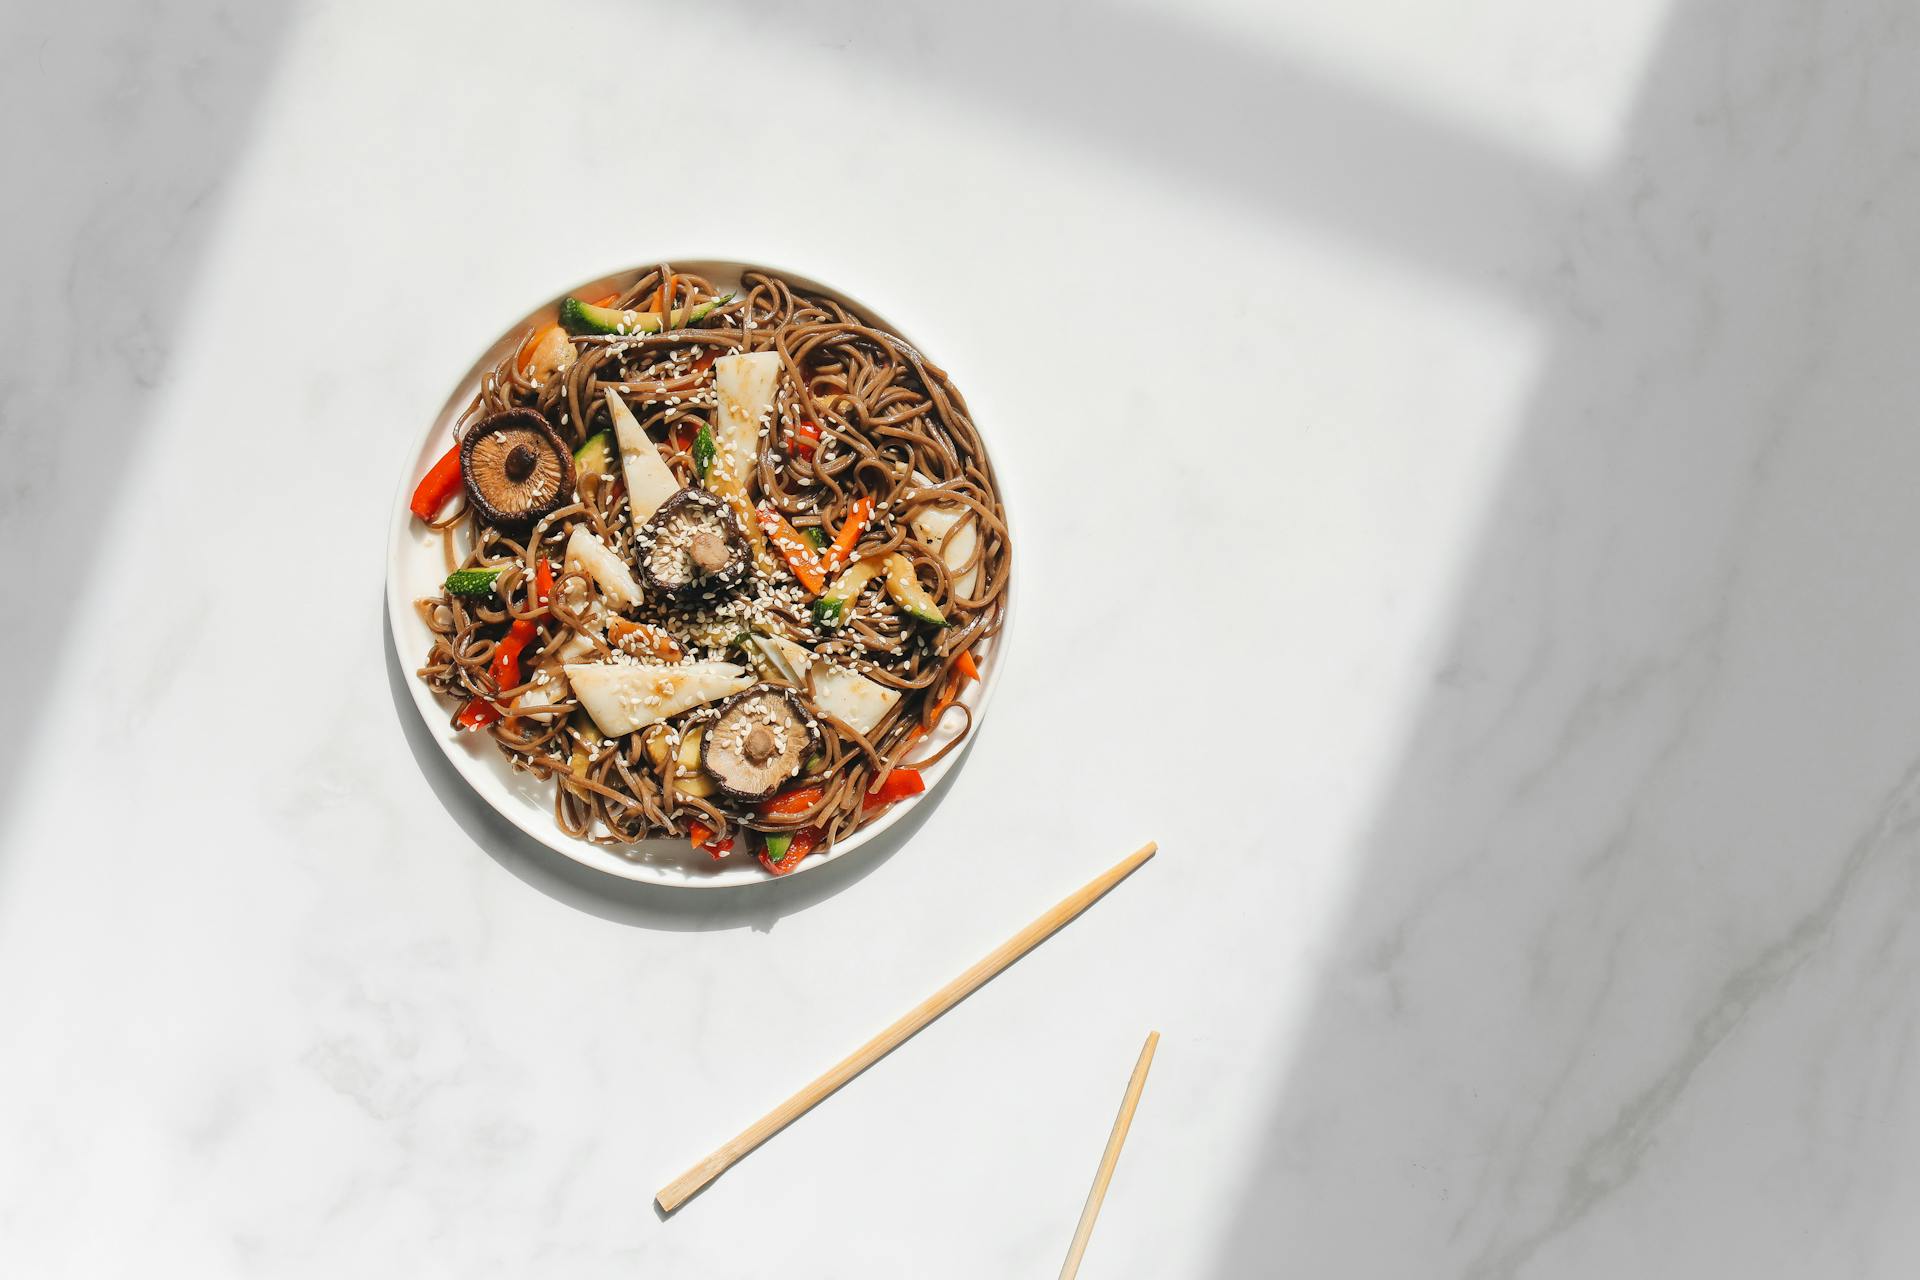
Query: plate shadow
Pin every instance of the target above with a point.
(633, 902)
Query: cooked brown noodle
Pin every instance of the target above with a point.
(884, 414)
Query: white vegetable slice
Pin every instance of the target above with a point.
(576, 648)
(650, 481)
(772, 653)
(622, 697)
(840, 693)
(543, 694)
(745, 386)
(587, 554)
(933, 523)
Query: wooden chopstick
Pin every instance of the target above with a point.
(676, 1193)
(1109, 1158)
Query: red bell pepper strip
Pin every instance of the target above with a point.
(964, 665)
(477, 714)
(803, 844)
(505, 667)
(797, 550)
(804, 440)
(439, 486)
(797, 803)
(859, 515)
(792, 804)
(702, 836)
(900, 784)
(543, 583)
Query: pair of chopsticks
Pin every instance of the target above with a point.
(684, 1187)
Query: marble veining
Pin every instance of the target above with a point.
(1506, 414)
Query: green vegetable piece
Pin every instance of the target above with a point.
(832, 608)
(473, 584)
(579, 317)
(777, 846)
(905, 588)
(703, 450)
(817, 536)
(596, 456)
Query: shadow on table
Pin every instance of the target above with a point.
(631, 902)
(1628, 967)
(1163, 89)
(124, 121)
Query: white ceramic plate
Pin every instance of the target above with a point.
(416, 566)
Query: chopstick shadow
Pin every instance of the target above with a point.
(631, 902)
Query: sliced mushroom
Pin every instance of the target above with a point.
(761, 739)
(691, 549)
(516, 468)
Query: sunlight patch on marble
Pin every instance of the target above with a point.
(1549, 81)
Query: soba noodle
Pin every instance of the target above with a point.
(891, 427)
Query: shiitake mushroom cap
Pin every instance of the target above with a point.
(762, 738)
(691, 549)
(516, 468)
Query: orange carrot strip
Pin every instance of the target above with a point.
(797, 550)
(858, 516)
(657, 642)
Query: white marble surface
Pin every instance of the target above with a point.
(1522, 464)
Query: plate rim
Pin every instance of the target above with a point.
(480, 771)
